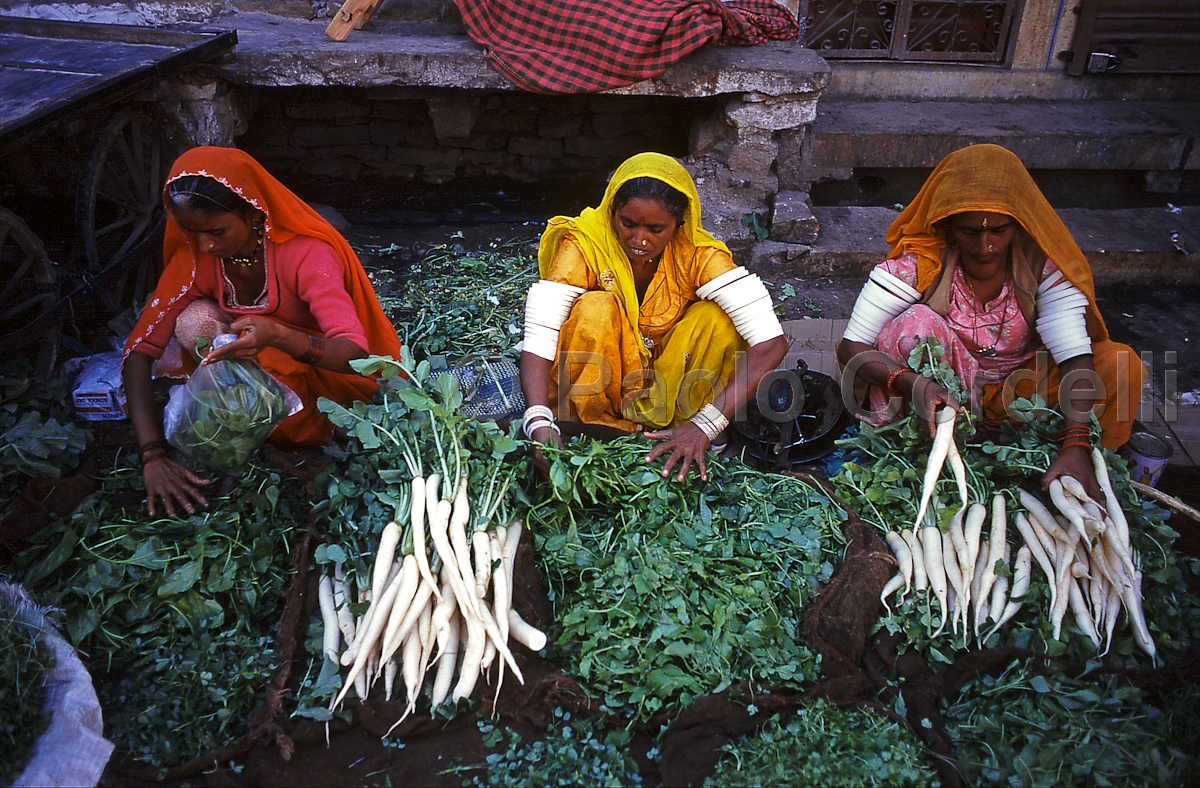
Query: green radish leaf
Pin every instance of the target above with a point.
(181, 580)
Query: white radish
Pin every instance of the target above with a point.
(331, 636)
(438, 524)
(468, 674)
(904, 558)
(481, 547)
(383, 557)
(935, 569)
(364, 623)
(979, 601)
(954, 576)
(973, 531)
(417, 519)
(942, 438)
(1112, 611)
(1033, 543)
(1062, 569)
(1083, 617)
(997, 539)
(372, 630)
(920, 580)
(999, 596)
(897, 582)
(443, 616)
(1022, 572)
(1069, 507)
(1115, 513)
(341, 604)
(1074, 488)
(457, 531)
(360, 686)
(960, 471)
(411, 662)
(389, 678)
(399, 628)
(409, 582)
(525, 633)
(447, 662)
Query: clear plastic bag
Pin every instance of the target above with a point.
(225, 411)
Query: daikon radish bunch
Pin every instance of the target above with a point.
(461, 623)
(937, 559)
(1088, 559)
(438, 582)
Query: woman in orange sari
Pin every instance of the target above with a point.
(244, 255)
(980, 261)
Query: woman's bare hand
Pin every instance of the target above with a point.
(1076, 461)
(172, 485)
(928, 398)
(254, 335)
(686, 443)
(544, 436)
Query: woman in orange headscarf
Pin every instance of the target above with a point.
(245, 255)
(981, 262)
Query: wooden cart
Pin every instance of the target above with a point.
(54, 71)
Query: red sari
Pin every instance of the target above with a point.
(294, 271)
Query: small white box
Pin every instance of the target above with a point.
(99, 394)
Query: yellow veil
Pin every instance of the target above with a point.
(593, 230)
(992, 179)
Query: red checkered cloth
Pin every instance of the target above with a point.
(583, 46)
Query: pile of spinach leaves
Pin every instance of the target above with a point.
(665, 591)
(173, 616)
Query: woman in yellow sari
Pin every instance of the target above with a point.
(980, 261)
(641, 320)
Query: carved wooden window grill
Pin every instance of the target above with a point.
(974, 31)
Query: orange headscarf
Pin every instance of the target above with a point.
(286, 216)
(992, 179)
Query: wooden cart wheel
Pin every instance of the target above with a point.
(29, 321)
(119, 207)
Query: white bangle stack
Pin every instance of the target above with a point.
(546, 309)
(711, 421)
(536, 417)
(1062, 319)
(883, 297)
(744, 297)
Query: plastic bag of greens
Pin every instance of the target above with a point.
(225, 411)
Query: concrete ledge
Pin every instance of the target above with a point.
(1150, 246)
(276, 51)
(1059, 135)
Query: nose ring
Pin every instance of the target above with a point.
(990, 248)
(643, 242)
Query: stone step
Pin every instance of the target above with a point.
(1152, 246)
(1048, 135)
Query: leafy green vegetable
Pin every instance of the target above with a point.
(228, 409)
(456, 303)
(571, 754)
(177, 613)
(822, 746)
(1023, 728)
(24, 660)
(665, 591)
(38, 436)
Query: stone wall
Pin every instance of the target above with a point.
(435, 136)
